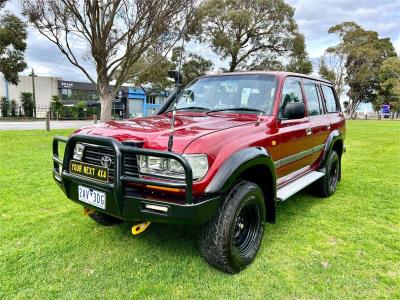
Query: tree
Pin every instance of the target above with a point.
(324, 71)
(116, 32)
(4, 107)
(249, 33)
(193, 65)
(13, 108)
(27, 104)
(364, 52)
(389, 76)
(57, 106)
(12, 45)
(150, 72)
(79, 110)
(332, 67)
(298, 57)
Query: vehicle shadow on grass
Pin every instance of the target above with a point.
(174, 238)
(180, 240)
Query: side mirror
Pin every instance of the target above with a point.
(294, 110)
(176, 75)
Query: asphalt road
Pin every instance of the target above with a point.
(30, 125)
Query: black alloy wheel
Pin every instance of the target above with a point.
(231, 239)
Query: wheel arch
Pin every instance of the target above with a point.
(253, 164)
(335, 142)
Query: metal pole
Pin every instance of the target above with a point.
(48, 121)
(33, 92)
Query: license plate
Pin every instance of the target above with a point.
(88, 170)
(92, 196)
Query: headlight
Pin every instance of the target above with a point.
(173, 168)
(78, 151)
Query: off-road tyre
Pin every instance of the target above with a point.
(104, 219)
(231, 239)
(326, 185)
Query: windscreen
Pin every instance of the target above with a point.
(251, 92)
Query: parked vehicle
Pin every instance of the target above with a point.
(385, 111)
(239, 143)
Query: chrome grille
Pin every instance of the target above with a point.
(93, 155)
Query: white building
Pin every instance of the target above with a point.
(45, 88)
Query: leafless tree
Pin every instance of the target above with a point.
(117, 32)
(332, 67)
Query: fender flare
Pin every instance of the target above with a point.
(333, 137)
(238, 163)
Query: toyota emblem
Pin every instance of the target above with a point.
(106, 161)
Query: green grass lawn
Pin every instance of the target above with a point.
(347, 246)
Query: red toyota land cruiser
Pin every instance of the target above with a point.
(219, 153)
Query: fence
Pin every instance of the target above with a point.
(66, 113)
(69, 113)
(375, 116)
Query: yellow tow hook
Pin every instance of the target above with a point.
(87, 211)
(139, 228)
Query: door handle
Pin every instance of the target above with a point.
(308, 131)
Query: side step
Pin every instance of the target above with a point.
(292, 188)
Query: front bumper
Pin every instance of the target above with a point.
(134, 206)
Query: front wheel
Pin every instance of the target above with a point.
(231, 239)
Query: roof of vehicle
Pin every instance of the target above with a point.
(276, 73)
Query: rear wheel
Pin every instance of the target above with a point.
(326, 186)
(104, 219)
(231, 239)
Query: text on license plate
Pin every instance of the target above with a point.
(89, 170)
(92, 196)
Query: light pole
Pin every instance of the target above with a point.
(33, 91)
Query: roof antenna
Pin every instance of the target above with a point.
(178, 84)
(268, 98)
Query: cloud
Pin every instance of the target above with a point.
(47, 60)
(44, 56)
(314, 18)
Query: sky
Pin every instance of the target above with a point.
(314, 18)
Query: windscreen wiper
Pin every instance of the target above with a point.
(189, 108)
(234, 109)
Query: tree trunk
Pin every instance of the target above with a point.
(233, 63)
(353, 106)
(107, 96)
(106, 101)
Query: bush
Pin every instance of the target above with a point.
(4, 106)
(27, 104)
(91, 111)
(14, 107)
(79, 110)
(57, 107)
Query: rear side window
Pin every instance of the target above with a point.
(311, 93)
(291, 93)
(330, 100)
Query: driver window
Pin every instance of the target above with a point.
(291, 92)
